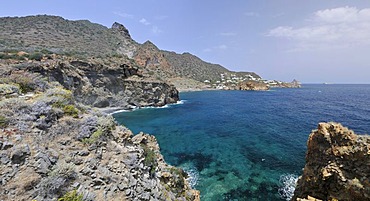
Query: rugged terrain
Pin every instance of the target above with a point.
(52, 146)
(337, 165)
(83, 39)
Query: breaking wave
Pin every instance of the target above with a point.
(192, 173)
(149, 107)
(288, 183)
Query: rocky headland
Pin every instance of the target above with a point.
(252, 86)
(52, 146)
(337, 165)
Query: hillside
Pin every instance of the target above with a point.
(84, 39)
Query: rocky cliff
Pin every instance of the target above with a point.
(54, 147)
(100, 82)
(337, 165)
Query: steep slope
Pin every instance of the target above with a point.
(84, 39)
(337, 165)
(64, 36)
(53, 147)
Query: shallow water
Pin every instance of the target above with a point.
(245, 145)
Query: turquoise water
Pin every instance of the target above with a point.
(245, 145)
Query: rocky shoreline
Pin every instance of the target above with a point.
(54, 147)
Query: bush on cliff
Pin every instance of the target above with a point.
(71, 110)
(150, 159)
(71, 196)
(3, 121)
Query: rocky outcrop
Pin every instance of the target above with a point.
(337, 165)
(252, 86)
(54, 147)
(96, 84)
(152, 59)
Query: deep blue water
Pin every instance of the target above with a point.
(238, 144)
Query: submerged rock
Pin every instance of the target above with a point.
(337, 165)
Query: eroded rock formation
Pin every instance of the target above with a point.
(337, 165)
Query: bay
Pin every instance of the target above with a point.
(248, 145)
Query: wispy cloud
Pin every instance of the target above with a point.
(156, 30)
(219, 47)
(222, 47)
(252, 14)
(124, 15)
(228, 34)
(278, 15)
(330, 28)
(144, 22)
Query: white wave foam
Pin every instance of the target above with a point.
(149, 107)
(192, 173)
(288, 182)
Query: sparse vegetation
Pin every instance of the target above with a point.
(71, 110)
(94, 137)
(64, 170)
(3, 122)
(150, 159)
(7, 89)
(71, 196)
(36, 56)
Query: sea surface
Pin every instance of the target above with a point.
(248, 145)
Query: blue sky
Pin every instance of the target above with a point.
(313, 41)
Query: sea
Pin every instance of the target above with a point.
(248, 145)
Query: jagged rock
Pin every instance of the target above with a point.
(337, 165)
(252, 86)
(6, 145)
(122, 29)
(19, 153)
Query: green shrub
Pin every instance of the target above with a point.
(71, 110)
(24, 81)
(4, 122)
(26, 84)
(94, 137)
(71, 196)
(63, 170)
(35, 56)
(107, 123)
(150, 159)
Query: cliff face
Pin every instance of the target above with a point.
(53, 147)
(337, 165)
(94, 83)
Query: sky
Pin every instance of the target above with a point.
(313, 41)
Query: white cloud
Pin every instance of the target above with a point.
(222, 47)
(144, 22)
(252, 14)
(228, 34)
(330, 28)
(219, 47)
(124, 15)
(156, 30)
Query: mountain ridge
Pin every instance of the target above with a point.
(87, 39)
